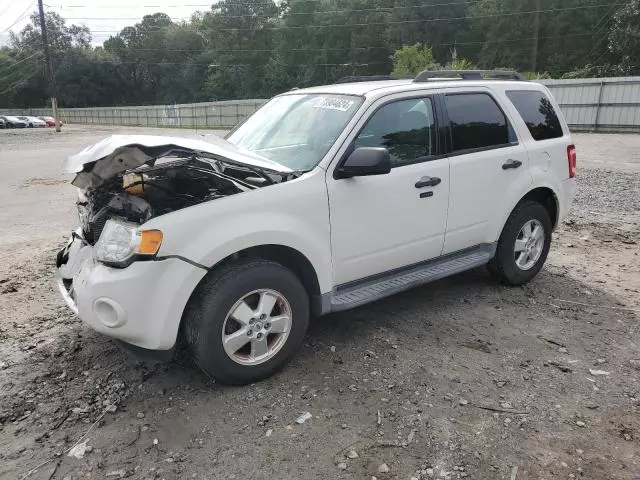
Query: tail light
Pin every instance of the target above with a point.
(572, 158)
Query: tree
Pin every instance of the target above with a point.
(258, 48)
(442, 25)
(61, 36)
(624, 37)
(549, 35)
(412, 59)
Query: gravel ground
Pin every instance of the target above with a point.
(461, 378)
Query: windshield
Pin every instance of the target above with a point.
(296, 130)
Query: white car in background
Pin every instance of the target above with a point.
(33, 121)
(325, 199)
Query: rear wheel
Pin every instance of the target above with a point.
(523, 245)
(246, 320)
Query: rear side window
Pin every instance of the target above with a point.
(537, 112)
(477, 123)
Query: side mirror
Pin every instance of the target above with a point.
(366, 161)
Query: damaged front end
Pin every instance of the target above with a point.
(143, 177)
(149, 191)
(104, 273)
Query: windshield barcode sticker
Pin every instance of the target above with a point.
(339, 104)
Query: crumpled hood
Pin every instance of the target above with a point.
(118, 153)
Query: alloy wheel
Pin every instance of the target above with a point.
(529, 244)
(256, 327)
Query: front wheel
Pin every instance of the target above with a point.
(523, 245)
(246, 320)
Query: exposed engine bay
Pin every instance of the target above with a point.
(138, 177)
(149, 191)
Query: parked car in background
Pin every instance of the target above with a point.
(33, 121)
(50, 121)
(13, 122)
(2, 122)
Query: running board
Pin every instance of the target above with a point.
(355, 294)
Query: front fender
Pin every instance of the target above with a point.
(241, 233)
(293, 214)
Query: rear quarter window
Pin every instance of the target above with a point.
(538, 113)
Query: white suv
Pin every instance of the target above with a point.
(325, 199)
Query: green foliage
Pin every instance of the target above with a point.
(258, 48)
(410, 60)
(536, 75)
(624, 68)
(460, 64)
(624, 37)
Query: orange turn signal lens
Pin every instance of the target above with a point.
(150, 241)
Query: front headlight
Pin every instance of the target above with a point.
(121, 242)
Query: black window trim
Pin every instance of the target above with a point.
(447, 123)
(436, 101)
(506, 92)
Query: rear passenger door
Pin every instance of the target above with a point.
(487, 164)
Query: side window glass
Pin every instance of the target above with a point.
(406, 128)
(537, 112)
(478, 123)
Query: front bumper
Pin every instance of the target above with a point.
(141, 304)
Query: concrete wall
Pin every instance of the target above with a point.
(607, 104)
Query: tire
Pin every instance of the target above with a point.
(207, 318)
(507, 265)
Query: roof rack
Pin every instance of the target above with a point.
(366, 78)
(467, 75)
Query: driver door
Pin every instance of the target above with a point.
(385, 222)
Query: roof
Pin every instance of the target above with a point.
(386, 87)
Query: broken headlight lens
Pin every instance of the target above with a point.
(120, 242)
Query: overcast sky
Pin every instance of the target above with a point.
(103, 17)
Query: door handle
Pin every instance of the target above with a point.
(511, 163)
(428, 182)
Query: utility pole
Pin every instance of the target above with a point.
(536, 35)
(47, 55)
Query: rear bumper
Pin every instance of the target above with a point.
(141, 304)
(567, 193)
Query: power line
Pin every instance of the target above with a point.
(209, 64)
(322, 12)
(19, 69)
(22, 72)
(19, 62)
(210, 5)
(605, 22)
(16, 84)
(20, 17)
(323, 49)
(4, 10)
(398, 22)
